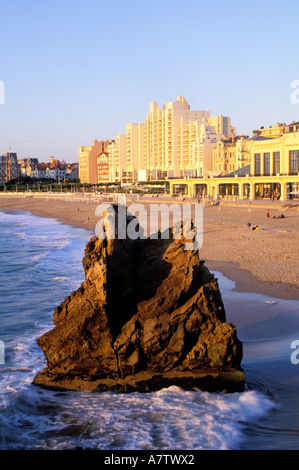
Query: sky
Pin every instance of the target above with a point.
(78, 70)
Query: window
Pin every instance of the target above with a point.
(276, 162)
(267, 164)
(257, 164)
(294, 162)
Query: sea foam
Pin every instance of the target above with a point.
(34, 418)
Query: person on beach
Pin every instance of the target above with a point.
(248, 225)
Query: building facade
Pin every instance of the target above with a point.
(173, 141)
(231, 154)
(103, 168)
(9, 167)
(179, 141)
(88, 155)
(134, 156)
(116, 158)
(270, 170)
(27, 166)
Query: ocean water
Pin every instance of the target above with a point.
(41, 263)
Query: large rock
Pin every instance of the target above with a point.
(148, 315)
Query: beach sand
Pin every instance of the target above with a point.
(263, 261)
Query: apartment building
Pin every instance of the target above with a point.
(72, 171)
(116, 158)
(39, 171)
(55, 171)
(179, 141)
(173, 141)
(161, 127)
(27, 165)
(88, 160)
(9, 168)
(134, 157)
(231, 154)
(103, 168)
(196, 142)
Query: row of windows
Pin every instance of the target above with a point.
(267, 163)
(293, 163)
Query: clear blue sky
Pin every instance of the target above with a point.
(79, 70)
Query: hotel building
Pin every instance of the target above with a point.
(116, 158)
(179, 141)
(174, 141)
(198, 154)
(134, 157)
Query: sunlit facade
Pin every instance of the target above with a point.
(270, 170)
(179, 141)
(9, 168)
(88, 169)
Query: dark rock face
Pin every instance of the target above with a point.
(148, 315)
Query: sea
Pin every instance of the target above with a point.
(41, 263)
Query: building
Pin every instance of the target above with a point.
(39, 171)
(27, 165)
(55, 171)
(102, 168)
(270, 132)
(173, 141)
(163, 140)
(161, 127)
(9, 167)
(179, 141)
(72, 171)
(270, 167)
(272, 158)
(197, 140)
(117, 158)
(134, 157)
(88, 160)
(231, 154)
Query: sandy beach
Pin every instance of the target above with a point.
(259, 262)
(263, 261)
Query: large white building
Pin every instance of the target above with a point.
(179, 141)
(174, 141)
(117, 158)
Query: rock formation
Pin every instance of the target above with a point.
(149, 315)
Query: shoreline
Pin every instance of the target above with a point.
(246, 282)
(80, 213)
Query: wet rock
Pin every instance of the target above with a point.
(148, 315)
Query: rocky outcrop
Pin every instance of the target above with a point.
(148, 315)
